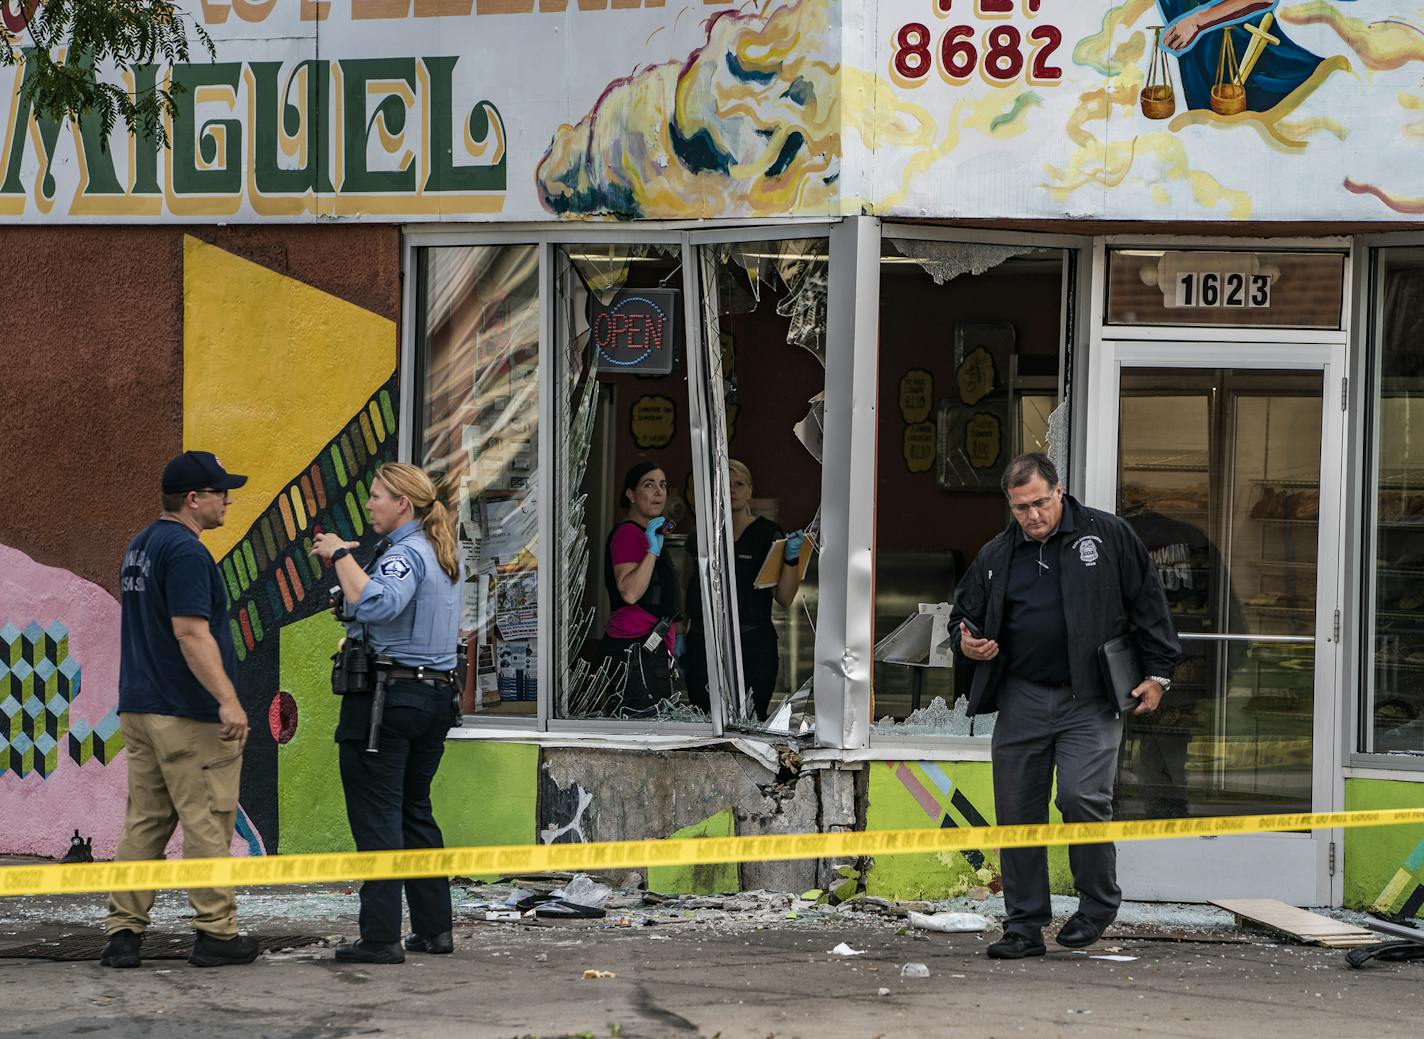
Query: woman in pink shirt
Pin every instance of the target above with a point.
(643, 587)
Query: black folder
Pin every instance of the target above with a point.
(1122, 670)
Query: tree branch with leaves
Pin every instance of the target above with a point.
(74, 47)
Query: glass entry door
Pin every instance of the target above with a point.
(1229, 477)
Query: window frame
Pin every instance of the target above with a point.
(690, 237)
(1359, 531)
(1076, 313)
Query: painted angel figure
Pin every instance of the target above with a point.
(1195, 31)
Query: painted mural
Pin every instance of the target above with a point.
(365, 109)
(749, 123)
(1146, 109)
(1109, 109)
(917, 795)
(1384, 865)
(62, 767)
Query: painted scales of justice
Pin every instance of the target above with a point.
(1228, 93)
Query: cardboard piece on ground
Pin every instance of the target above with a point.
(770, 572)
(1302, 924)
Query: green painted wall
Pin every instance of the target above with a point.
(711, 879)
(311, 814)
(1384, 865)
(485, 792)
(893, 805)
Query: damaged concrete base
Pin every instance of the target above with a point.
(595, 795)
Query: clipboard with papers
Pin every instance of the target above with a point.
(770, 573)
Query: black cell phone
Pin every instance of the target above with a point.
(973, 628)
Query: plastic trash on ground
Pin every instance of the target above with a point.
(950, 923)
(845, 950)
(584, 891)
(914, 970)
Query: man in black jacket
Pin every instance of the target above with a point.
(1060, 581)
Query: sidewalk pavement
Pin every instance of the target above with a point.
(756, 965)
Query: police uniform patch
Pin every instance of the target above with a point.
(395, 567)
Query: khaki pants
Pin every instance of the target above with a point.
(180, 771)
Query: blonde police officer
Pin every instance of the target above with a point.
(406, 605)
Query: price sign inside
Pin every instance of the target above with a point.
(1221, 289)
(1004, 44)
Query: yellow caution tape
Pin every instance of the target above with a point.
(524, 858)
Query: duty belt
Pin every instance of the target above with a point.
(400, 673)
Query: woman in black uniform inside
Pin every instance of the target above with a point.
(754, 535)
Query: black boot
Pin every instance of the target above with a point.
(362, 951)
(222, 952)
(440, 944)
(122, 950)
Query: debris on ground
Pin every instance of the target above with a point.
(598, 975)
(950, 923)
(1300, 924)
(845, 950)
(914, 970)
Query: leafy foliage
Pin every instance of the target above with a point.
(68, 40)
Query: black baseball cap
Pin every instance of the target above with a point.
(198, 471)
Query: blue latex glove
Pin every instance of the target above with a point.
(792, 552)
(654, 536)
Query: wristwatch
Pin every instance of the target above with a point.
(343, 551)
(1165, 683)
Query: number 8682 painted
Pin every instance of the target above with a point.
(1001, 55)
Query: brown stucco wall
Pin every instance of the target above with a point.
(91, 368)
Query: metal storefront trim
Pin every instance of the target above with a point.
(843, 629)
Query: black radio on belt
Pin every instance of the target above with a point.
(353, 668)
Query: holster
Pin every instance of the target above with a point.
(353, 669)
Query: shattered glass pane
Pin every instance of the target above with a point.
(945, 261)
(1058, 440)
(757, 645)
(938, 719)
(607, 418)
(972, 341)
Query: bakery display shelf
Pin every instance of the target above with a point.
(1295, 485)
(1162, 467)
(1416, 525)
(1399, 665)
(1278, 521)
(1397, 615)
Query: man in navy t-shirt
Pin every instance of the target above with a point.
(183, 726)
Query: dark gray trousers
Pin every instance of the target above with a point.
(1039, 730)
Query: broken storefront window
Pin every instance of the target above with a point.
(972, 343)
(764, 326)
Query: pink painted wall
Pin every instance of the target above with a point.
(38, 814)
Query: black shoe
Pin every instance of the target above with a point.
(122, 950)
(1015, 946)
(1081, 931)
(441, 944)
(223, 952)
(363, 951)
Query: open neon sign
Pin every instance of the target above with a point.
(637, 332)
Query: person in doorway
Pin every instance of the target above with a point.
(753, 538)
(406, 608)
(182, 724)
(642, 588)
(1061, 580)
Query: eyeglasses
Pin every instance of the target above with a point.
(1037, 505)
(226, 497)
